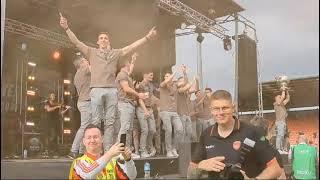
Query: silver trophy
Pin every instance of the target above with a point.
(283, 82)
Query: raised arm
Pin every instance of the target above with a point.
(164, 83)
(152, 33)
(74, 40)
(195, 86)
(89, 171)
(128, 167)
(287, 98)
(187, 86)
(201, 100)
(283, 96)
(184, 72)
(133, 60)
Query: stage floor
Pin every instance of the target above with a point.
(162, 167)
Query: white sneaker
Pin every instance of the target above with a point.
(153, 152)
(135, 156)
(170, 154)
(174, 152)
(144, 154)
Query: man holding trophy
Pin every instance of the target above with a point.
(281, 112)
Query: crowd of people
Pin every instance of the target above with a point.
(111, 100)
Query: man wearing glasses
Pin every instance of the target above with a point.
(222, 144)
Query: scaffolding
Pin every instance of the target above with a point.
(33, 32)
(212, 26)
(192, 16)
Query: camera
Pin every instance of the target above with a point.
(231, 171)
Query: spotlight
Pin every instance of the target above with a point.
(227, 43)
(30, 123)
(31, 78)
(30, 108)
(56, 55)
(31, 92)
(211, 11)
(66, 81)
(66, 119)
(200, 38)
(32, 64)
(23, 46)
(183, 26)
(67, 93)
(67, 131)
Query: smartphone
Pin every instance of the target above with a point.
(123, 139)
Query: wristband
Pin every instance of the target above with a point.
(67, 29)
(147, 38)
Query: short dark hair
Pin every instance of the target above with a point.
(91, 126)
(209, 89)
(146, 71)
(103, 32)
(221, 95)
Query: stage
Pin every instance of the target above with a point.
(161, 167)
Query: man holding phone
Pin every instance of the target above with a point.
(123, 138)
(95, 164)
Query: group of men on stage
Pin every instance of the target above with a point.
(127, 107)
(115, 99)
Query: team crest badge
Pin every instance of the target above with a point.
(236, 145)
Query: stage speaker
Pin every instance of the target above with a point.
(247, 75)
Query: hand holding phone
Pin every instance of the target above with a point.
(123, 139)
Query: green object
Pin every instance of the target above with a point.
(304, 161)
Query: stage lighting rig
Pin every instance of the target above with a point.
(200, 38)
(227, 45)
(206, 24)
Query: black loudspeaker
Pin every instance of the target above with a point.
(247, 75)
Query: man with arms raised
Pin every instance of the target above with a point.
(281, 118)
(169, 115)
(103, 61)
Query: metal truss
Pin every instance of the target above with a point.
(37, 33)
(260, 95)
(17, 27)
(192, 16)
